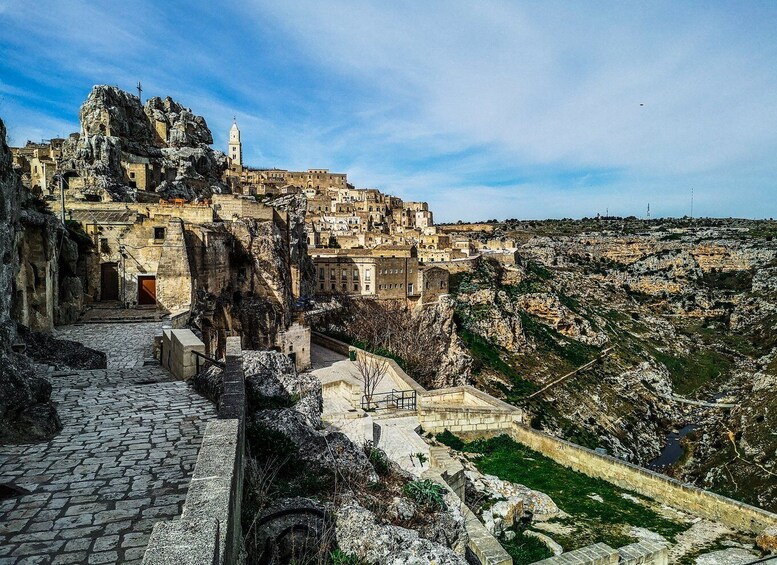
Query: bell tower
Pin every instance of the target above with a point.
(235, 146)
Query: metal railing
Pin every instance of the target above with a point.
(394, 400)
(206, 360)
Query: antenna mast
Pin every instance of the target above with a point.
(692, 203)
(140, 91)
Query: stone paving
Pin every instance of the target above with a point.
(121, 463)
(127, 345)
(397, 438)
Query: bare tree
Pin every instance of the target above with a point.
(372, 370)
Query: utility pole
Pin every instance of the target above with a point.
(140, 91)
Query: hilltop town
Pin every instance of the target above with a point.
(628, 357)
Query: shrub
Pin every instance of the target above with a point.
(339, 557)
(378, 458)
(427, 493)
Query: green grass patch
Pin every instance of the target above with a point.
(692, 372)
(489, 355)
(525, 549)
(605, 521)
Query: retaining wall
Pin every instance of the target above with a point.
(465, 409)
(209, 530)
(659, 487)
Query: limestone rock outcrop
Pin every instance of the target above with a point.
(547, 307)
(26, 410)
(360, 534)
(453, 361)
(166, 143)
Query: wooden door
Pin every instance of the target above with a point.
(109, 281)
(146, 289)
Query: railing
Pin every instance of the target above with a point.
(394, 400)
(206, 360)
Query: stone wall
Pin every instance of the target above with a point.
(174, 273)
(641, 553)
(464, 410)
(177, 354)
(648, 483)
(209, 529)
(450, 473)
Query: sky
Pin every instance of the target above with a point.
(484, 109)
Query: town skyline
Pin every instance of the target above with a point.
(546, 112)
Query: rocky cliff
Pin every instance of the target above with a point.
(26, 411)
(688, 308)
(168, 141)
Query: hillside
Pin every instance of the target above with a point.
(687, 308)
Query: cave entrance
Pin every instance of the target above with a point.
(109, 281)
(146, 290)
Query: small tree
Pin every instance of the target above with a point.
(371, 370)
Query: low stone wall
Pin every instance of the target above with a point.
(330, 343)
(465, 410)
(400, 379)
(641, 553)
(659, 487)
(449, 472)
(209, 530)
(176, 352)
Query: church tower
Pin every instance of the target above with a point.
(235, 147)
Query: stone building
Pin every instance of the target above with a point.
(384, 273)
(228, 262)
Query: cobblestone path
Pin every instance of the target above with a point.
(127, 345)
(122, 461)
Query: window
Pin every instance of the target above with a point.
(321, 273)
(442, 284)
(345, 287)
(344, 275)
(356, 287)
(367, 287)
(132, 175)
(334, 287)
(355, 274)
(321, 286)
(159, 233)
(410, 288)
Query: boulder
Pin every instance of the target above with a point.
(358, 533)
(26, 411)
(286, 432)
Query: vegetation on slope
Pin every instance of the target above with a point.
(608, 520)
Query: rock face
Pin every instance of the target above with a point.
(164, 143)
(271, 377)
(358, 533)
(513, 502)
(302, 268)
(547, 307)
(10, 196)
(452, 360)
(26, 410)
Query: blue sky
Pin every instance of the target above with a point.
(484, 109)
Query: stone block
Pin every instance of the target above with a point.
(183, 542)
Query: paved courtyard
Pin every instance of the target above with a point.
(122, 461)
(397, 428)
